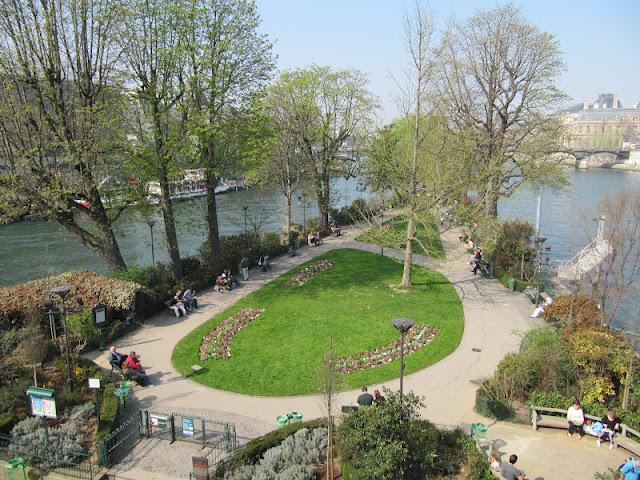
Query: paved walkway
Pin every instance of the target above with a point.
(495, 321)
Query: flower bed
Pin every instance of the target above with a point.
(217, 343)
(303, 276)
(416, 338)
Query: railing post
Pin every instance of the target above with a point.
(173, 428)
(146, 424)
(204, 433)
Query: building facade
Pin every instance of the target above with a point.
(602, 125)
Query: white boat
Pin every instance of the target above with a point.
(191, 185)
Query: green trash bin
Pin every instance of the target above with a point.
(16, 469)
(295, 416)
(511, 284)
(479, 431)
(282, 420)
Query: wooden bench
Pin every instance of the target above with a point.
(118, 370)
(628, 438)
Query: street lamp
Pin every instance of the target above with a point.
(245, 208)
(62, 291)
(151, 223)
(402, 325)
(303, 199)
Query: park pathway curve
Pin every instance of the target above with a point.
(494, 324)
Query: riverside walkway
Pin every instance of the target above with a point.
(495, 321)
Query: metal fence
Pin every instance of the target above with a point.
(76, 464)
(120, 442)
(189, 428)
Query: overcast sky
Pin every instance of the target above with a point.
(600, 39)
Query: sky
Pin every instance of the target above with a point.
(600, 40)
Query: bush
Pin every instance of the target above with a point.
(475, 466)
(254, 450)
(488, 405)
(81, 325)
(56, 448)
(87, 289)
(520, 285)
(574, 311)
(110, 412)
(551, 399)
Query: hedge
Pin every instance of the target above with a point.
(492, 408)
(254, 450)
(110, 412)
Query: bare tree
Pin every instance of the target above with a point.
(419, 31)
(615, 277)
(497, 77)
(329, 386)
(61, 113)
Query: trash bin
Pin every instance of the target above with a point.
(16, 470)
(511, 284)
(295, 416)
(479, 431)
(282, 420)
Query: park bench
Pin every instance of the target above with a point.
(115, 368)
(628, 438)
(535, 296)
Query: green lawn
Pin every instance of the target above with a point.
(394, 235)
(280, 352)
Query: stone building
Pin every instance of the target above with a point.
(602, 125)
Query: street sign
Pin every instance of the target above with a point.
(187, 427)
(94, 383)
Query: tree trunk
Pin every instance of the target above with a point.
(165, 200)
(408, 250)
(287, 212)
(491, 202)
(108, 247)
(170, 226)
(212, 220)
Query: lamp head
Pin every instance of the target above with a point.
(62, 291)
(402, 324)
(151, 223)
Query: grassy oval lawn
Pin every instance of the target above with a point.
(281, 351)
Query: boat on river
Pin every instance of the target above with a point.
(191, 185)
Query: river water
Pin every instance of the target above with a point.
(34, 249)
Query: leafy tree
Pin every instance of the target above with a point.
(228, 63)
(61, 114)
(324, 108)
(152, 39)
(497, 77)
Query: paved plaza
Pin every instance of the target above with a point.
(495, 321)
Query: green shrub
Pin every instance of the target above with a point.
(551, 399)
(488, 405)
(475, 466)
(254, 450)
(81, 324)
(109, 412)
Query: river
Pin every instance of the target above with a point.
(34, 249)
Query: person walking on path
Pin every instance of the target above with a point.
(244, 266)
(575, 417)
(631, 469)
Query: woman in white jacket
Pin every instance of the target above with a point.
(575, 417)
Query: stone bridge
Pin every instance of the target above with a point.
(600, 158)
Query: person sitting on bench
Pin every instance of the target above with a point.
(133, 360)
(116, 358)
(263, 263)
(177, 306)
(189, 299)
(137, 376)
(335, 230)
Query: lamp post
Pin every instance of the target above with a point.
(62, 291)
(151, 223)
(402, 325)
(303, 199)
(245, 208)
